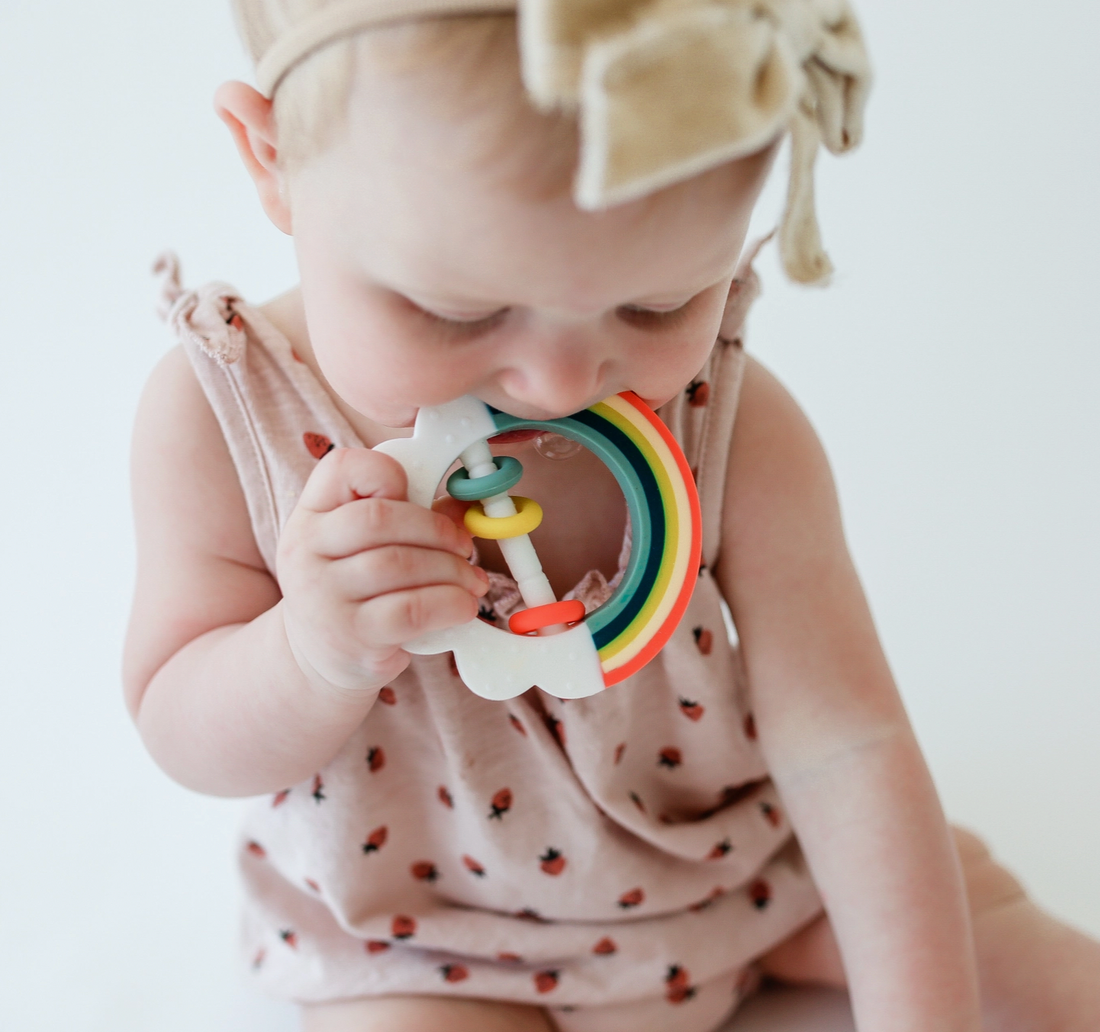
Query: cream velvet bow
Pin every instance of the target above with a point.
(665, 89)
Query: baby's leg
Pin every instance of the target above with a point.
(1037, 974)
(423, 1014)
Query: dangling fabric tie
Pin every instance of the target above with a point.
(664, 89)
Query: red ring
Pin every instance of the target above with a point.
(528, 620)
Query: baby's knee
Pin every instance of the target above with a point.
(423, 1014)
(988, 884)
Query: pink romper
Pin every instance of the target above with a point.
(619, 860)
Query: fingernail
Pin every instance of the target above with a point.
(481, 575)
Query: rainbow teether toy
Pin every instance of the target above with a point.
(553, 644)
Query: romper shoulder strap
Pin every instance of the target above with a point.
(276, 418)
(702, 416)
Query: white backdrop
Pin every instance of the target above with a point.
(951, 371)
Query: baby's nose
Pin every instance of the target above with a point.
(558, 376)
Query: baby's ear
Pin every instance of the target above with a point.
(251, 120)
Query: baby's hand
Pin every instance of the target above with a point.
(363, 571)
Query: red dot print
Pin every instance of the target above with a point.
(318, 789)
(257, 850)
(771, 814)
(376, 946)
(619, 750)
(552, 862)
(290, 937)
(517, 724)
(403, 927)
(670, 758)
(750, 727)
(704, 639)
(376, 839)
(280, 797)
(637, 801)
(445, 797)
(631, 898)
(424, 870)
(545, 981)
(454, 973)
(678, 987)
(720, 850)
(760, 892)
(310, 883)
(714, 894)
(387, 695)
(318, 445)
(473, 866)
(698, 393)
(510, 958)
(376, 758)
(501, 803)
(691, 710)
(605, 947)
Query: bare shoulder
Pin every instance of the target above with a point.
(810, 645)
(780, 498)
(198, 563)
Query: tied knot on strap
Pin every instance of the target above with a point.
(206, 317)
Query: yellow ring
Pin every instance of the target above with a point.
(528, 516)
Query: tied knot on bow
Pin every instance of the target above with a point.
(666, 89)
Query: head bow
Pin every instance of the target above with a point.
(666, 89)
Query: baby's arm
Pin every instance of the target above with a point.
(237, 690)
(834, 731)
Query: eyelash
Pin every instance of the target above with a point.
(649, 319)
(640, 318)
(462, 327)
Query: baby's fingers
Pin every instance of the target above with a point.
(401, 616)
(374, 522)
(379, 571)
(346, 474)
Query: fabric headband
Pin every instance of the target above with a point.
(664, 89)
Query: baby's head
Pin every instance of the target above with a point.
(435, 214)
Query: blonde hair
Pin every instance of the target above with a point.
(474, 56)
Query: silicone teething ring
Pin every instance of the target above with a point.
(528, 620)
(631, 627)
(528, 516)
(509, 473)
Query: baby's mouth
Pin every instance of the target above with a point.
(515, 436)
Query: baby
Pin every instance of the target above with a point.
(543, 222)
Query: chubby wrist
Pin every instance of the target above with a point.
(347, 682)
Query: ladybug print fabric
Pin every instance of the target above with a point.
(622, 851)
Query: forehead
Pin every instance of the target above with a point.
(413, 197)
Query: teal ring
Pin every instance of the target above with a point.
(509, 473)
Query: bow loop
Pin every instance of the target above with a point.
(682, 90)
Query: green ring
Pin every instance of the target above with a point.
(509, 473)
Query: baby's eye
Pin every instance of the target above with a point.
(653, 318)
(464, 327)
